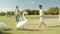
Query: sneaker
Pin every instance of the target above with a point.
(44, 27)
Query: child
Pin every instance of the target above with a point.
(41, 12)
(17, 14)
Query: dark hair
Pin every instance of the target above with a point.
(16, 6)
(40, 5)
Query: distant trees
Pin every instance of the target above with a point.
(2, 13)
(53, 11)
(10, 12)
(32, 12)
(50, 11)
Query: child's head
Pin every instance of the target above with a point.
(40, 6)
(16, 7)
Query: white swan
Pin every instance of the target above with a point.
(2, 26)
(22, 23)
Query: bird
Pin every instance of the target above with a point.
(22, 23)
(2, 26)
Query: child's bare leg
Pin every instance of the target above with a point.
(17, 21)
(43, 23)
(40, 24)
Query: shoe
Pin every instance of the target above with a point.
(44, 27)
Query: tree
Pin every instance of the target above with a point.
(12, 12)
(2, 13)
(53, 11)
(32, 12)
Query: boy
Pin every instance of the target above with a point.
(17, 14)
(41, 12)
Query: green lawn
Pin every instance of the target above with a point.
(31, 26)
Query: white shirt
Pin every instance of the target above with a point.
(41, 12)
(17, 12)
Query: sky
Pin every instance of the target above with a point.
(7, 5)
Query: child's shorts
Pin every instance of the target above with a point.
(17, 17)
(42, 19)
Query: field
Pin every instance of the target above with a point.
(53, 26)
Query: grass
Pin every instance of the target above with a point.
(31, 26)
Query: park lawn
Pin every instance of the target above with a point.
(31, 26)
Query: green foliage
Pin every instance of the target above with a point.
(50, 11)
(53, 11)
(32, 12)
(12, 12)
(45, 12)
(21, 12)
(2, 13)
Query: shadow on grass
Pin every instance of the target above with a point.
(54, 26)
(4, 33)
(30, 29)
(8, 29)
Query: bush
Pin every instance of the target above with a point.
(2, 13)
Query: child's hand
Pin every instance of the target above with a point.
(41, 15)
